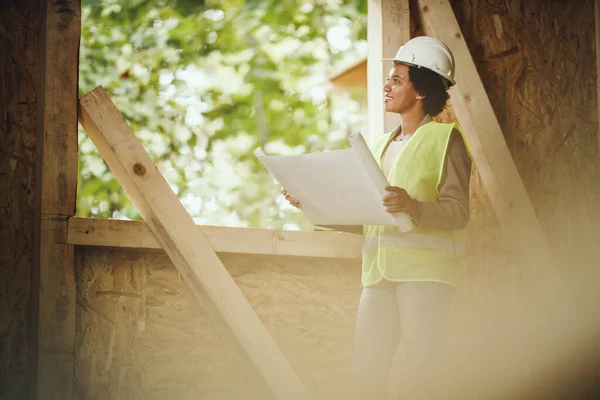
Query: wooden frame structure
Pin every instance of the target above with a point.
(57, 231)
(186, 246)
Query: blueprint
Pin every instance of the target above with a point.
(340, 187)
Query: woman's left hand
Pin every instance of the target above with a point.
(398, 200)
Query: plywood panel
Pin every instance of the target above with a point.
(307, 305)
(19, 72)
(111, 295)
(536, 61)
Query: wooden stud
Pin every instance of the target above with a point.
(137, 235)
(490, 152)
(388, 28)
(186, 246)
(53, 280)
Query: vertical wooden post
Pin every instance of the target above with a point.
(388, 28)
(56, 179)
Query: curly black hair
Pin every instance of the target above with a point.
(432, 87)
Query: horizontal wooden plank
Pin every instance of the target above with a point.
(137, 234)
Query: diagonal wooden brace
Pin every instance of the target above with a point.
(497, 169)
(186, 245)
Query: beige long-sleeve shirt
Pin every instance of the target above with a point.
(451, 211)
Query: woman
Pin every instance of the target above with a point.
(409, 278)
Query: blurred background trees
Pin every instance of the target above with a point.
(203, 83)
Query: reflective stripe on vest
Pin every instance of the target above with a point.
(400, 239)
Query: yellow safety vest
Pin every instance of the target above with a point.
(422, 254)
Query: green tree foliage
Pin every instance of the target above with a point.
(203, 83)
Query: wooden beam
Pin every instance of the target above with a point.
(186, 246)
(138, 235)
(388, 27)
(490, 152)
(53, 280)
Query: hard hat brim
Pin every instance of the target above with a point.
(450, 81)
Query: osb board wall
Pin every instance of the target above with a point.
(19, 21)
(141, 334)
(537, 63)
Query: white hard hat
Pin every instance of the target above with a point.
(427, 52)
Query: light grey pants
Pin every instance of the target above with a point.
(403, 320)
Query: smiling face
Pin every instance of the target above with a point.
(399, 94)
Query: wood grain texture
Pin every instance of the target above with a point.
(496, 167)
(307, 304)
(540, 77)
(56, 185)
(19, 74)
(535, 60)
(137, 235)
(188, 248)
(57, 102)
(111, 307)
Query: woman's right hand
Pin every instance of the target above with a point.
(290, 199)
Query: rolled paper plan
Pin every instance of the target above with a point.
(339, 187)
